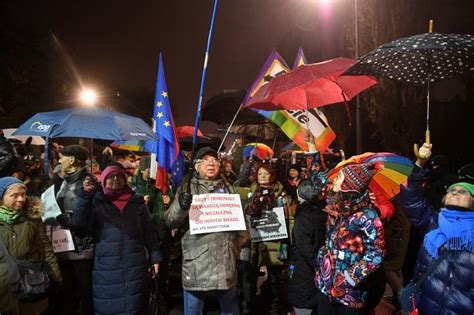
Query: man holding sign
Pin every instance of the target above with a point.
(210, 213)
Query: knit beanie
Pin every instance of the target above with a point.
(358, 176)
(6, 182)
(467, 186)
(109, 170)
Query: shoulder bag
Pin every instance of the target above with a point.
(29, 280)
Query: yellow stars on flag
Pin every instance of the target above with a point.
(164, 94)
(166, 123)
(159, 115)
(159, 103)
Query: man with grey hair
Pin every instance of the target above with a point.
(209, 260)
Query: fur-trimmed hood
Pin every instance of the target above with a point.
(33, 208)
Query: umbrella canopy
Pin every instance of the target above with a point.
(419, 59)
(35, 140)
(93, 123)
(311, 86)
(263, 131)
(187, 131)
(260, 150)
(129, 145)
(222, 107)
(387, 181)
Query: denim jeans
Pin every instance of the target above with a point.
(194, 301)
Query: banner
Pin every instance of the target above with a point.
(293, 123)
(211, 213)
(271, 225)
(51, 208)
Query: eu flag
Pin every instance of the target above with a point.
(167, 145)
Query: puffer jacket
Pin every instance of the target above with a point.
(449, 289)
(25, 239)
(124, 242)
(209, 260)
(354, 251)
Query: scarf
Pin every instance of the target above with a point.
(119, 198)
(455, 229)
(9, 215)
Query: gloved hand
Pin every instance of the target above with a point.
(185, 200)
(64, 220)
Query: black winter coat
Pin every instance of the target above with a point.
(450, 287)
(120, 273)
(308, 237)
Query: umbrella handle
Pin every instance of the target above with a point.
(427, 141)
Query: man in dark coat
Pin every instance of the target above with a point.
(76, 266)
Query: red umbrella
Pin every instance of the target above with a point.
(310, 86)
(187, 131)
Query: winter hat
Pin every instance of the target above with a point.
(466, 174)
(205, 151)
(109, 170)
(76, 150)
(144, 163)
(358, 176)
(295, 167)
(6, 182)
(467, 186)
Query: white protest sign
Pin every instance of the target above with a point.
(216, 213)
(51, 208)
(271, 225)
(61, 239)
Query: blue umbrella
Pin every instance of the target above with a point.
(92, 122)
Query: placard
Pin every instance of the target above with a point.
(211, 213)
(51, 208)
(61, 239)
(271, 225)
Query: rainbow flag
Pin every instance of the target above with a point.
(293, 123)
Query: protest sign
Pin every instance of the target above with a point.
(216, 213)
(61, 239)
(269, 226)
(51, 208)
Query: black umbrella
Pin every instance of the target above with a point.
(420, 60)
(221, 109)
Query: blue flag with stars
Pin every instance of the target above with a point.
(167, 145)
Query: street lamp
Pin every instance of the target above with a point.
(88, 97)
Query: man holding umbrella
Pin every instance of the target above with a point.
(209, 260)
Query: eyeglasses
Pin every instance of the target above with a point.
(115, 176)
(209, 161)
(459, 191)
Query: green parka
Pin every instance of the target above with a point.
(25, 239)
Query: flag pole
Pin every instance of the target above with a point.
(203, 79)
(228, 129)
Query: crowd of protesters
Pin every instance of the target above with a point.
(344, 247)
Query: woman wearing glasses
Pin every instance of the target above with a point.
(126, 242)
(449, 286)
